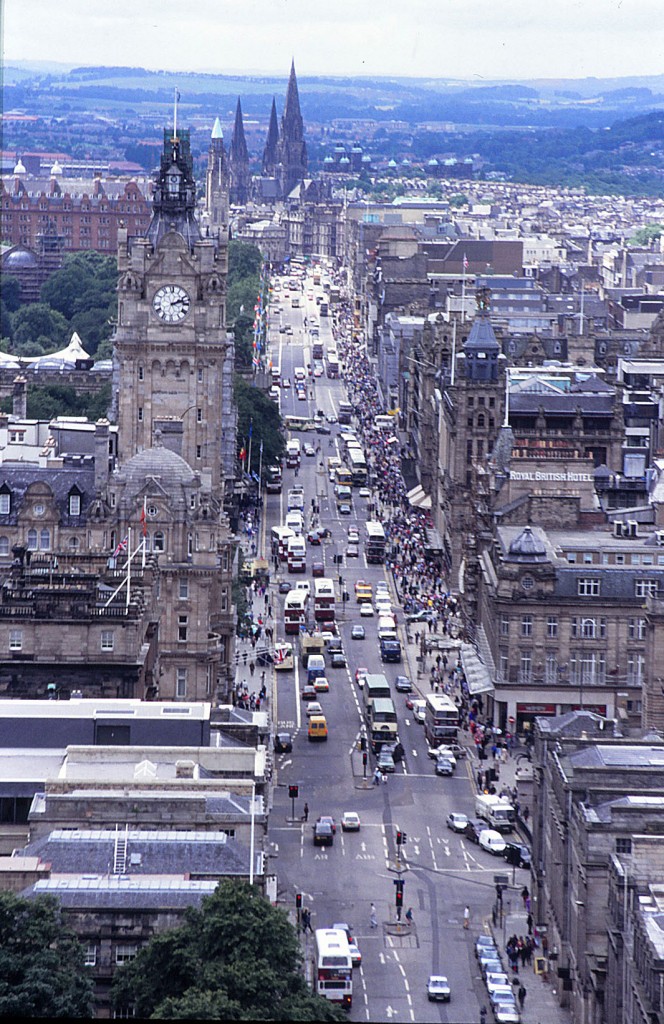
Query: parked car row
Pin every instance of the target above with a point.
(497, 981)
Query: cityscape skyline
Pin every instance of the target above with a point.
(472, 40)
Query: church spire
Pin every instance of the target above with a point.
(238, 160)
(292, 147)
(270, 153)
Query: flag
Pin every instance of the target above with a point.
(465, 262)
(122, 546)
(243, 453)
(144, 525)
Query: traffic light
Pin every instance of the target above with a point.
(363, 743)
(298, 900)
(364, 757)
(399, 893)
(401, 838)
(293, 792)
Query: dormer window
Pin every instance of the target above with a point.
(5, 501)
(74, 504)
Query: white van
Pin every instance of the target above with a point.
(295, 522)
(386, 628)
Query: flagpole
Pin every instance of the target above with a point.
(144, 531)
(463, 292)
(129, 569)
(251, 429)
(453, 373)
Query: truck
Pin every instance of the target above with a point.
(497, 812)
(311, 644)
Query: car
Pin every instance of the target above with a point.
(355, 955)
(474, 828)
(442, 751)
(492, 842)
(321, 685)
(329, 635)
(285, 382)
(323, 834)
(456, 821)
(362, 585)
(350, 822)
(502, 994)
(282, 329)
(517, 854)
(366, 610)
(403, 684)
(410, 702)
(314, 536)
(361, 674)
(353, 534)
(395, 749)
(338, 660)
(438, 988)
(331, 418)
(334, 645)
(352, 551)
(420, 616)
(314, 707)
(322, 428)
(488, 958)
(385, 761)
(364, 492)
(484, 942)
(506, 1013)
(363, 594)
(418, 710)
(342, 926)
(308, 692)
(382, 585)
(444, 766)
(358, 633)
(345, 509)
(284, 587)
(318, 372)
(329, 820)
(495, 979)
(457, 750)
(317, 569)
(283, 744)
(310, 451)
(302, 396)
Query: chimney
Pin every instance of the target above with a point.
(20, 398)
(184, 769)
(102, 454)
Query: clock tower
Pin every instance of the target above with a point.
(173, 362)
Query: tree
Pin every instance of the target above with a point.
(38, 320)
(244, 260)
(42, 973)
(645, 236)
(237, 958)
(11, 293)
(84, 291)
(256, 409)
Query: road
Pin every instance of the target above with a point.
(442, 871)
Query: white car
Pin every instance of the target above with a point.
(366, 609)
(506, 1013)
(492, 842)
(495, 980)
(438, 988)
(314, 707)
(457, 821)
(436, 752)
(419, 710)
(350, 822)
(364, 492)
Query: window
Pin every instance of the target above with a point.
(504, 625)
(107, 640)
(90, 955)
(224, 601)
(32, 540)
(181, 682)
(623, 844)
(140, 414)
(620, 559)
(588, 586)
(74, 504)
(527, 582)
(635, 666)
(503, 663)
(141, 373)
(15, 640)
(208, 681)
(636, 629)
(587, 668)
(4, 545)
(635, 560)
(526, 625)
(45, 540)
(5, 503)
(571, 557)
(200, 374)
(551, 668)
(646, 588)
(158, 543)
(123, 954)
(184, 590)
(199, 451)
(183, 621)
(552, 627)
(587, 558)
(73, 543)
(199, 415)
(588, 629)
(526, 667)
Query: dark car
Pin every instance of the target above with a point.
(284, 587)
(323, 428)
(335, 646)
(420, 616)
(317, 569)
(395, 749)
(517, 854)
(309, 693)
(283, 743)
(473, 829)
(385, 761)
(338, 660)
(444, 766)
(403, 684)
(323, 834)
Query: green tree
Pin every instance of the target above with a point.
(237, 958)
(459, 200)
(84, 291)
(6, 328)
(255, 408)
(650, 233)
(42, 973)
(11, 293)
(244, 260)
(38, 320)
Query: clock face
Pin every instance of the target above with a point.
(171, 303)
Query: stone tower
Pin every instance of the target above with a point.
(292, 147)
(238, 161)
(216, 184)
(271, 151)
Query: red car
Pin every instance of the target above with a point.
(318, 569)
(409, 703)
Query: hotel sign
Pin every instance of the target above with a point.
(549, 476)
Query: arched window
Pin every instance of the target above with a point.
(45, 540)
(158, 541)
(480, 420)
(4, 545)
(73, 543)
(32, 540)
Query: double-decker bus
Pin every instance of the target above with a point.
(358, 466)
(441, 719)
(332, 365)
(297, 554)
(345, 412)
(382, 722)
(295, 611)
(280, 536)
(324, 599)
(317, 349)
(284, 659)
(324, 308)
(334, 966)
(273, 480)
(375, 687)
(374, 543)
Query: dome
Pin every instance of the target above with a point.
(169, 469)
(20, 258)
(527, 547)
(56, 169)
(20, 169)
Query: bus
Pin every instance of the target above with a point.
(276, 376)
(441, 719)
(345, 412)
(324, 308)
(358, 466)
(324, 599)
(295, 611)
(382, 722)
(317, 349)
(299, 423)
(293, 449)
(374, 543)
(332, 365)
(280, 536)
(297, 554)
(375, 687)
(284, 659)
(334, 966)
(342, 476)
(273, 480)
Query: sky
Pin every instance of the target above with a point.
(467, 39)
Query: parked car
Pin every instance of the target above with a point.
(456, 821)
(492, 842)
(350, 822)
(338, 660)
(484, 942)
(309, 693)
(506, 1013)
(517, 854)
(495, 979)
(403, 685)
(420, 616)
(323, 834)
(438, 988)
(283, 742)
(358, 633)
(474, 829)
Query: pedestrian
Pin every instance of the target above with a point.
(376, 778)
(526, 814)
(252, 667)
(306, 812)
(529, 922)
(466, 917)
(372, 916)
(483, 1015)
(384, 777)
(409, 915)
(522, 995)
(525, 894)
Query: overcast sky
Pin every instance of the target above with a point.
(469, 39)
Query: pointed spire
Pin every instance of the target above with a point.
(292, 107)
(270, 153)
(238, 150)
(292, 147)
(217, 132)
(238, 160)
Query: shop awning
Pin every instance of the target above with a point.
(476, 673)
(417, 498)
(433, 543)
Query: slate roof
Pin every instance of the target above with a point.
(19, 476)
(112, 893)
